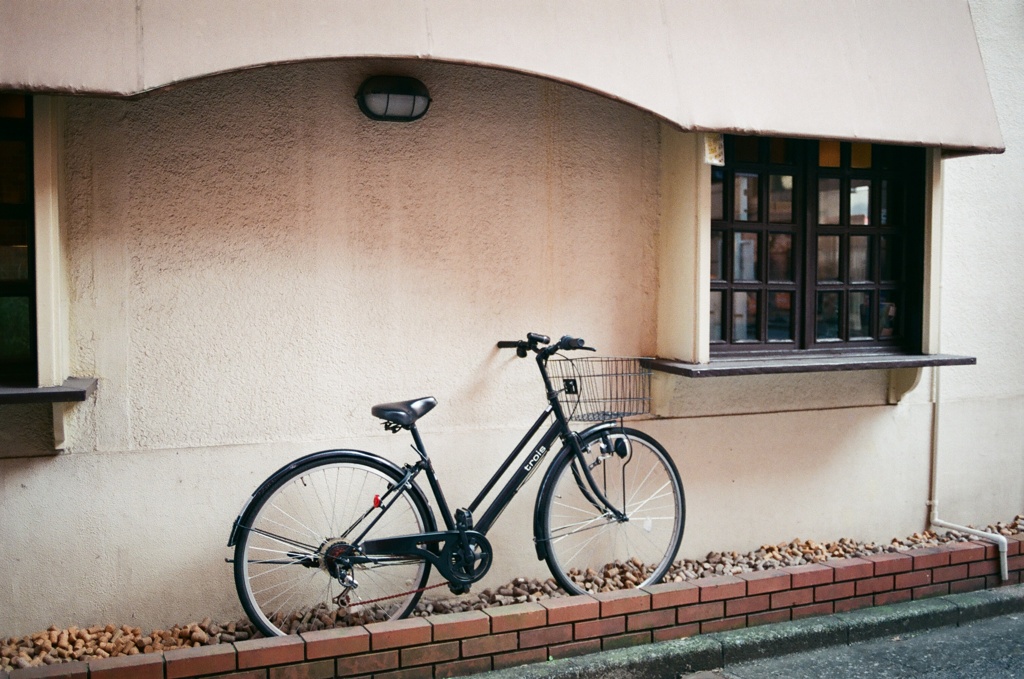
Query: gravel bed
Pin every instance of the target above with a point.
(55, 645)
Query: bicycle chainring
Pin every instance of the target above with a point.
(466, 564)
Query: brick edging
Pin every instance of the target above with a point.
(477, 641)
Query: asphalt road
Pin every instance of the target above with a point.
(987, 649)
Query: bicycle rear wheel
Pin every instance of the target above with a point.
(292, 568)
(587, 547)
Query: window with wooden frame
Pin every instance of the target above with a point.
(17, 258)
(816, 246)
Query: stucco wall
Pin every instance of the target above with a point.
(253, 264)
(981, 432)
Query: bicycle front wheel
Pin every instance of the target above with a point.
(589, 548)
(296, 567)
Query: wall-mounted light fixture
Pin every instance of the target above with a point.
(395, 98)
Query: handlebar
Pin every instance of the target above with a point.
(534, 340)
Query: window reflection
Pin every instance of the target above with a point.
(828, 200)
(716, 255)
(745, 257)
(860, 259)
(717, 193)
(744, 317)
(716, 316)
(860, 202)
(780, 257)
(745, 208)
(860, 314)
(828, 258)
(780, 198)
(888, 313)
(827, 316)
(780, 316)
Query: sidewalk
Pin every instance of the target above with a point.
(972, 619)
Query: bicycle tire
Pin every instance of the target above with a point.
(587, 549)
(281, 576)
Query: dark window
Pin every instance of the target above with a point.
(816, 246)
(17, 257)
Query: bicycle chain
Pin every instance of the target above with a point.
(385, 598)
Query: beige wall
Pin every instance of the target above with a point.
(252, 264)
(981, 432)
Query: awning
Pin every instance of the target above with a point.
(905, 72)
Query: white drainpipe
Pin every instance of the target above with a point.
(933, 502)
(934, 276)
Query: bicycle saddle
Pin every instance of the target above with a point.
(404, 413)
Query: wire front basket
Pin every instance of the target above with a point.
(597, 389)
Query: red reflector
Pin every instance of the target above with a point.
(376, 500)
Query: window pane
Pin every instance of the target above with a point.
(860, 314)
(717, 193)
(716, 316)
(891, 208)
(744, 257)
(780, 151)
(885, 157)
(884, 215)
(828, 200)
(744, 207)
(716, 256)
(860, 156)
(860, 202)
(780, 257)
(12, 106)
(860, 259)
(828, 258)
(828, 154)
(888, 314)
(745, 150)
(744, 317)
(827, 316)
(780, 315)
(890, 258)
(780, 199)
(15, 340)
(13, 263)
(13, 172)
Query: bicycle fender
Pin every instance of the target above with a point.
(538, 528)
(323, 456)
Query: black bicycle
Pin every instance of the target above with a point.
(343, 537)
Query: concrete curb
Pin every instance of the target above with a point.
(711, 651)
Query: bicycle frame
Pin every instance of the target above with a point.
(461, 524)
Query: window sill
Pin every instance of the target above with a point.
(729, 367)
(73, 389)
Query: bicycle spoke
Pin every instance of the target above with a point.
(560, 536)
(283, 540)
(281, 579)
(583, 540)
